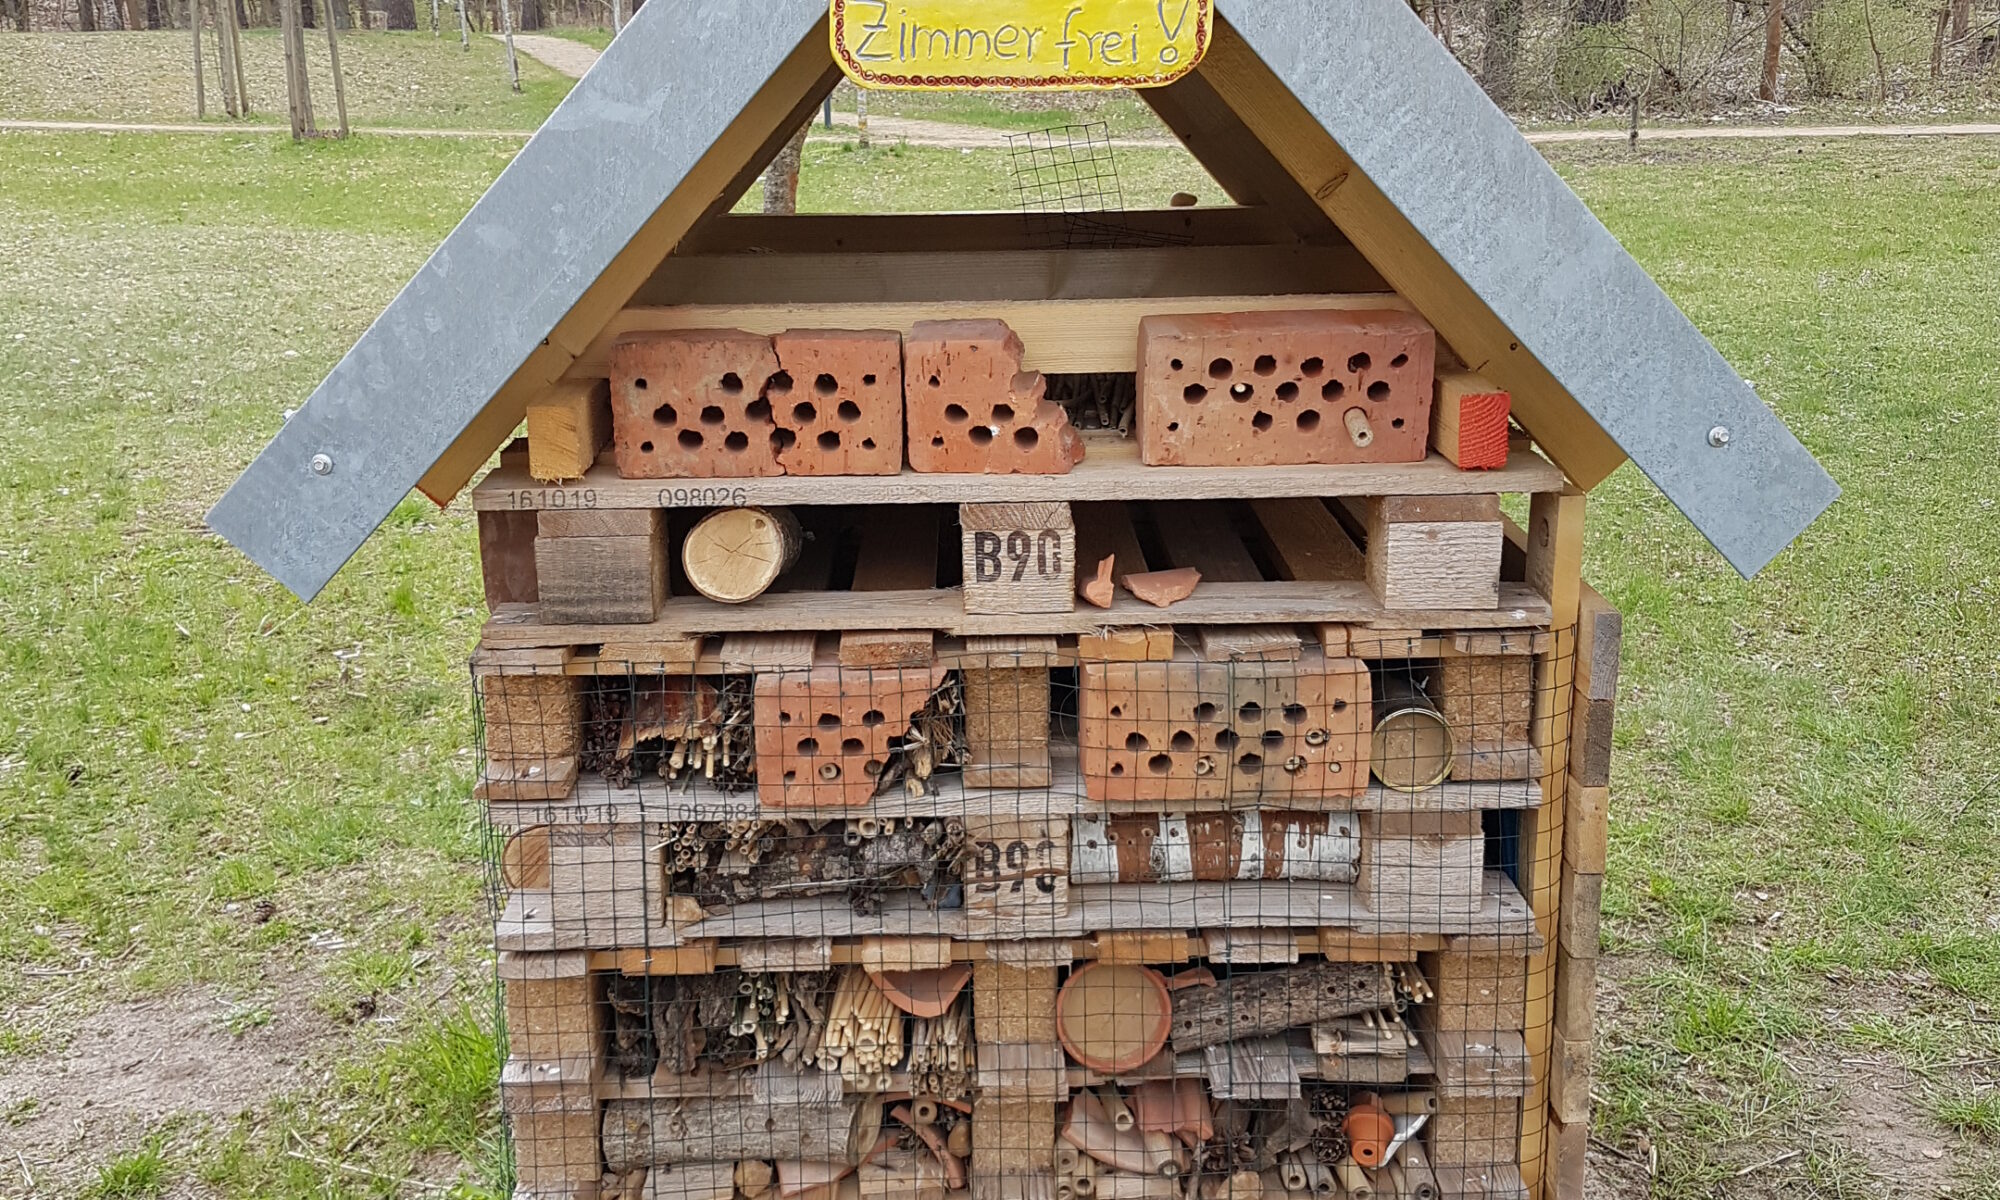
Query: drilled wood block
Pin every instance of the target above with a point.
(823, 735)
(1433, 551)
(1179, 732)
(838, 401)
(1007, 726)
(530, 718)
(1018, 558)
(1477, 992)
(1423, 862)
(1260, 389)
(971, 408)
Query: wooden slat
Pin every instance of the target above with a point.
(1201, 536)
(1225, 643)
(859, 233)
(1307, 540)
(1212, 604)
(1060, 335)
(899, 553)
(767, 651)
(1110, 471)
(960, 275)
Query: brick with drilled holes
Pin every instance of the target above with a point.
(972, 409)
(838, 401)
(824, 735)
(690, 405)
(1277, 732)
(1272, 388)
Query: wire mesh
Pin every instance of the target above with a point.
(1067, 187)
(1024, 923)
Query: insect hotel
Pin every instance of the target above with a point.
(1100, 705)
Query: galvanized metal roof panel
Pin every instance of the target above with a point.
(574, 197)
(1425, 134)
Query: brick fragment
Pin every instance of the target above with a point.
(1097, 588)
(1271, 388)
(1161, 588)
(970, 408)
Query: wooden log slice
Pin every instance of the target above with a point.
(733, 554)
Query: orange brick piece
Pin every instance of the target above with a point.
(823, 735)
(1258, 732)
(838, 402)
(721, 403)
(972, 409)
(1271, 388)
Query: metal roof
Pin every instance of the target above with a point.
(634, 128)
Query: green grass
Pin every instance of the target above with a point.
(406, 80)
(1803, 821)
(132, 1176)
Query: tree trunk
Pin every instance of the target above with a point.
(781, 178)
(225, 59)
(1961, 20)
(1503, 46)
(507, 31)
(464, 27)
(86, 15)
(200, 85)
(298, 86)
(333, 55)
(233, 26)
(658, 1133)
(530, 15)
(1774, 40)
(402, 14)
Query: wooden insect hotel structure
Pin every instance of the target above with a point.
(970, 710)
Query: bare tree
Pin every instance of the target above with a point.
(333, 53)
(1774, 40)
(86, 15)
(200, 85)
(298, 89)
(507, 30)
(781, 178)
(1503, 47)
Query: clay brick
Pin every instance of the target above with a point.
(972, 409)
(1186, 731)
(823, 735)
(720, 403)
(690, 405)
(839, 395)
(1260, 389)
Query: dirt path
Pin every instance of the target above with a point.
(558, 54)
(1696, 133)
(140, 127)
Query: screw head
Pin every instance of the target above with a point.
(322, 464)
(1718, 437)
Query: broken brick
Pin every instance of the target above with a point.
(1161, 588)
(1282, 388)
(971, 409)
(1097, 589)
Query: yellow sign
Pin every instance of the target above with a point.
(1050, 44)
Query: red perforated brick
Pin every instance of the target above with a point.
(971, 408)
(690, 404)
(1261, 389)
(720, 403)
(823, 735)
(839, 396)
(1189, 731)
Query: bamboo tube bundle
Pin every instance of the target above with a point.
(941, 1057)
(1411, 986)
(864, 1034)
(683, 728)
(935, 740)
(763, 1013)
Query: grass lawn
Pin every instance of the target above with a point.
(405, 80)
(238, 832)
